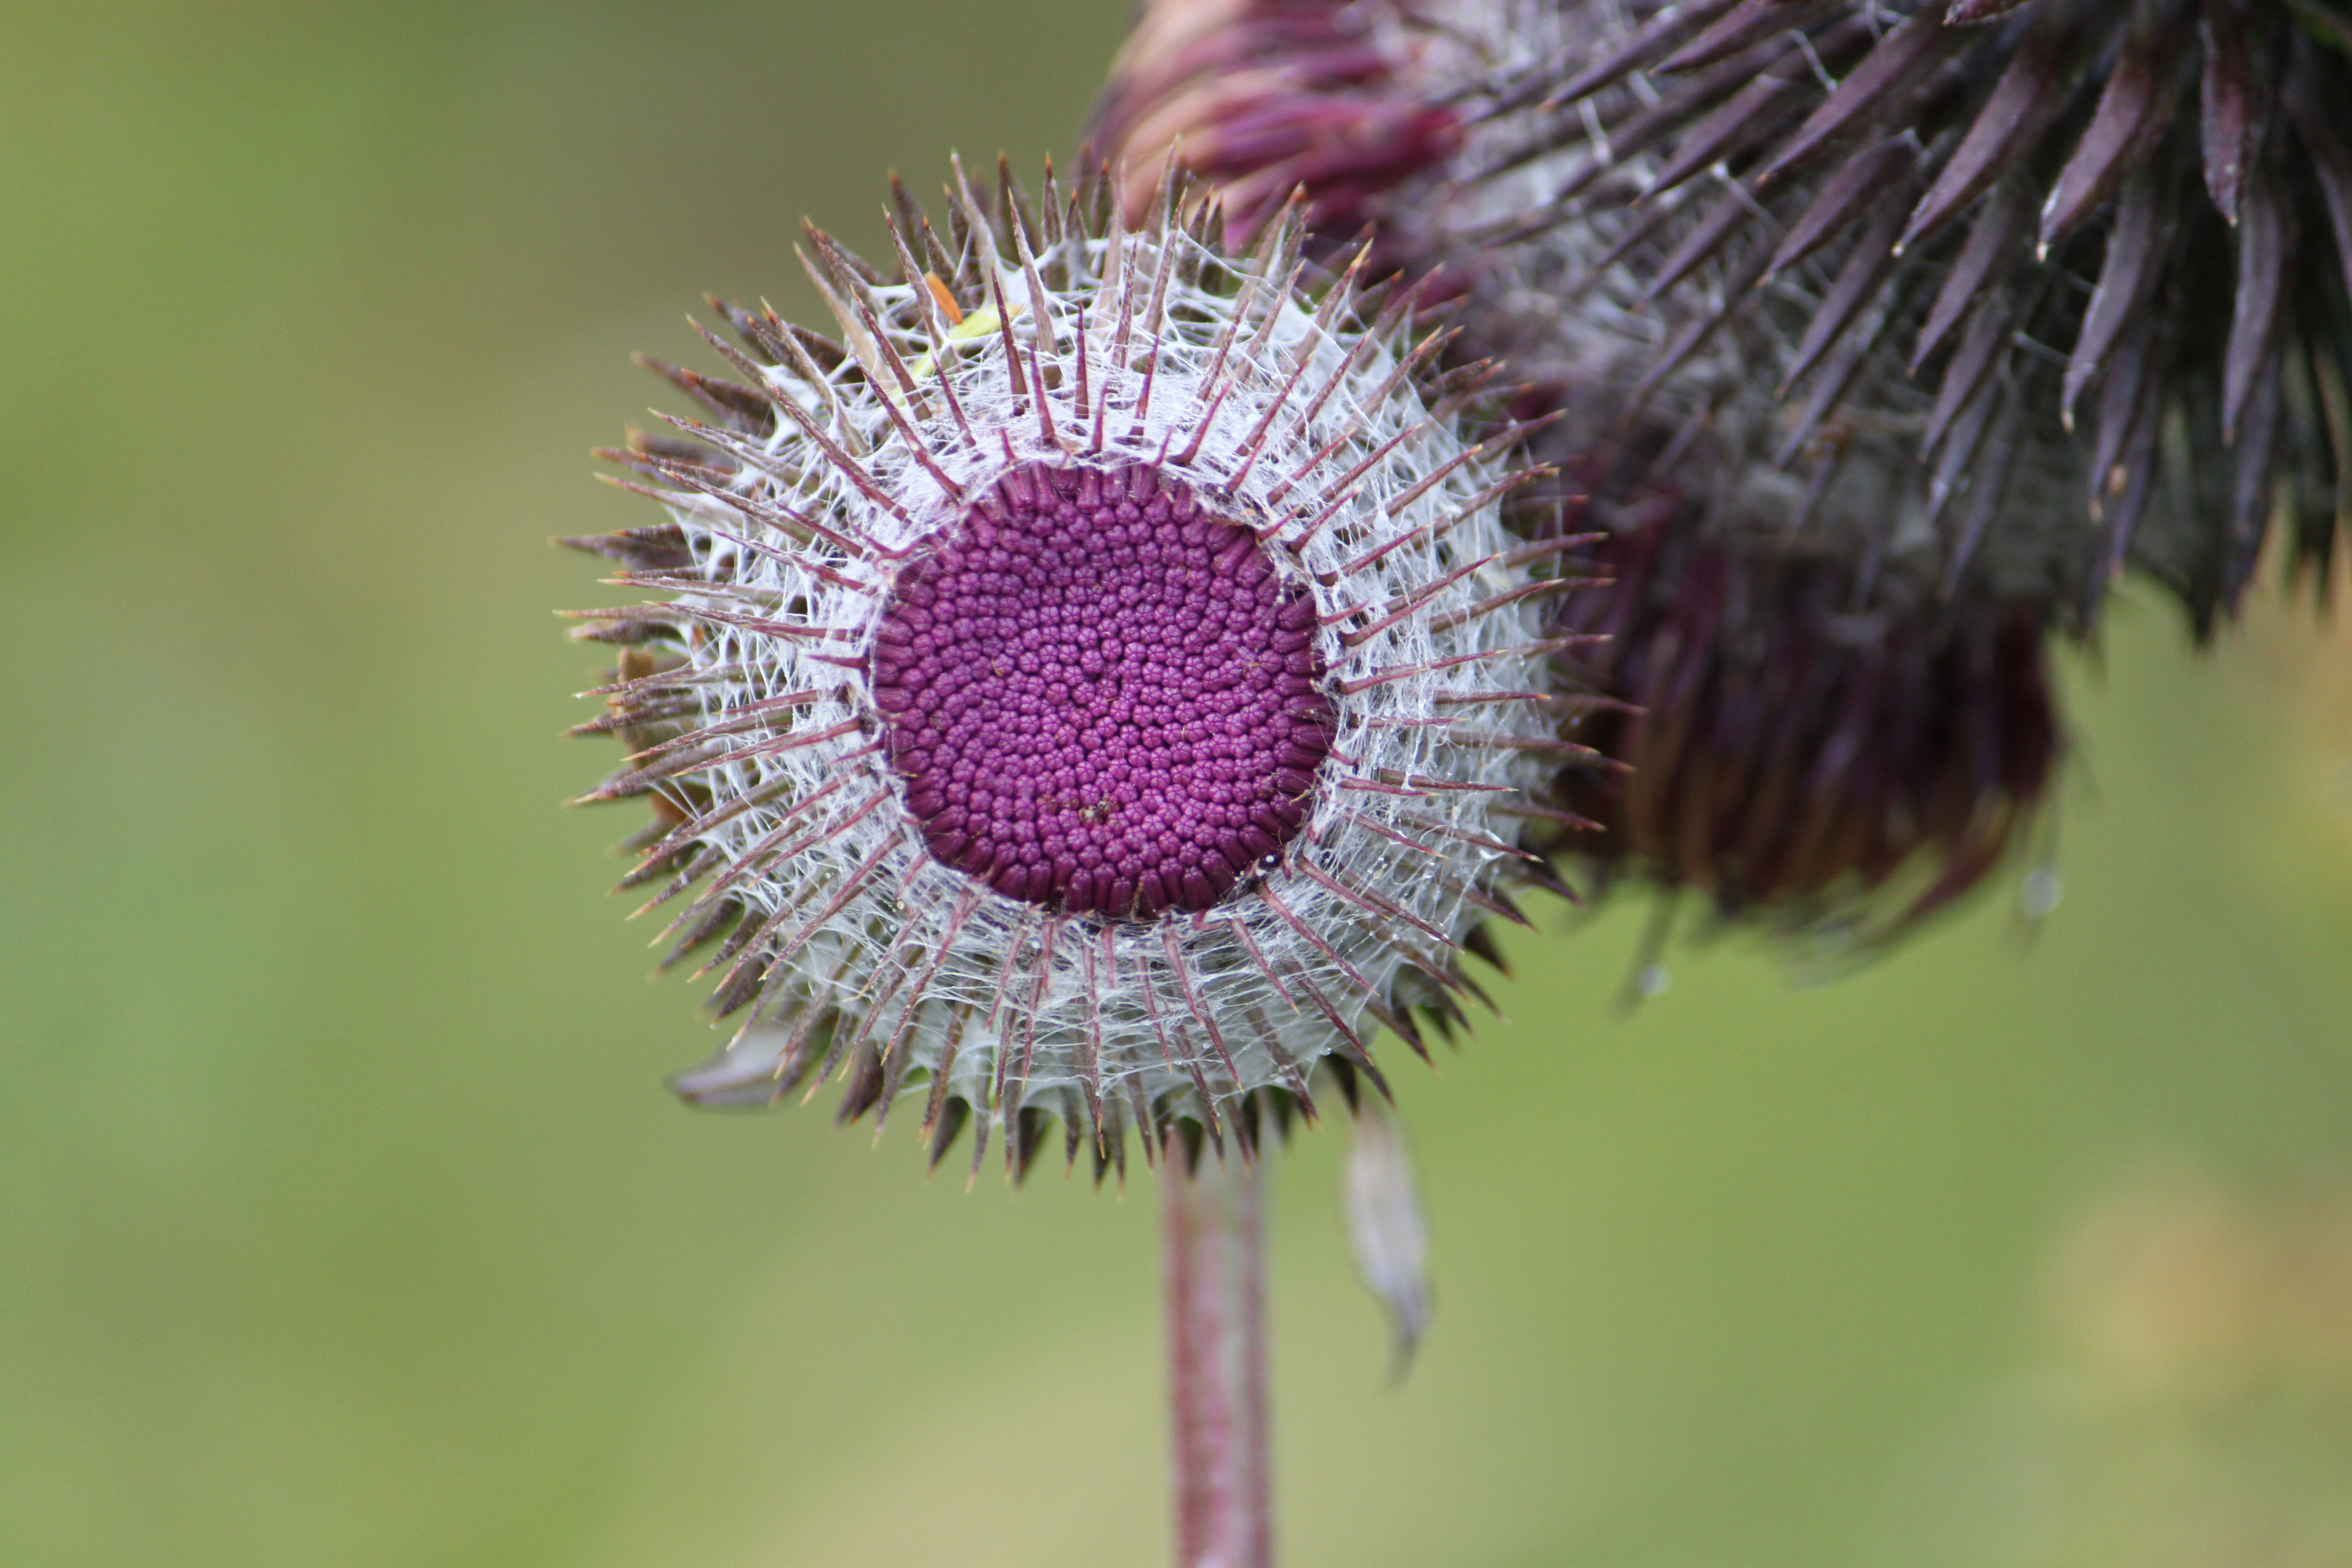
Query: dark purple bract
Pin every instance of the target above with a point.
(1100, 696)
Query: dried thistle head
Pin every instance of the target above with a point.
(1099, 687)
(1942, 312)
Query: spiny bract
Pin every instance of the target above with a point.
(1100, 687)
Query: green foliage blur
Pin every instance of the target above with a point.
(344, 1219)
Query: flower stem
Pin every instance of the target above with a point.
(1212, 1262)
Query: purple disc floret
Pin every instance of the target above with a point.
(1099, 695)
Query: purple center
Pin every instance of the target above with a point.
(1100, 696)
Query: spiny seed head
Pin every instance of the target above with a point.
(1100, 687)
(1940, 312)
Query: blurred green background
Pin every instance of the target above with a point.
(343, 1217)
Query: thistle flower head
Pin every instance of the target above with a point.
(1100, 687)
(1931, 314)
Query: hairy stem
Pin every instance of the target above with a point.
(1212, 1262)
